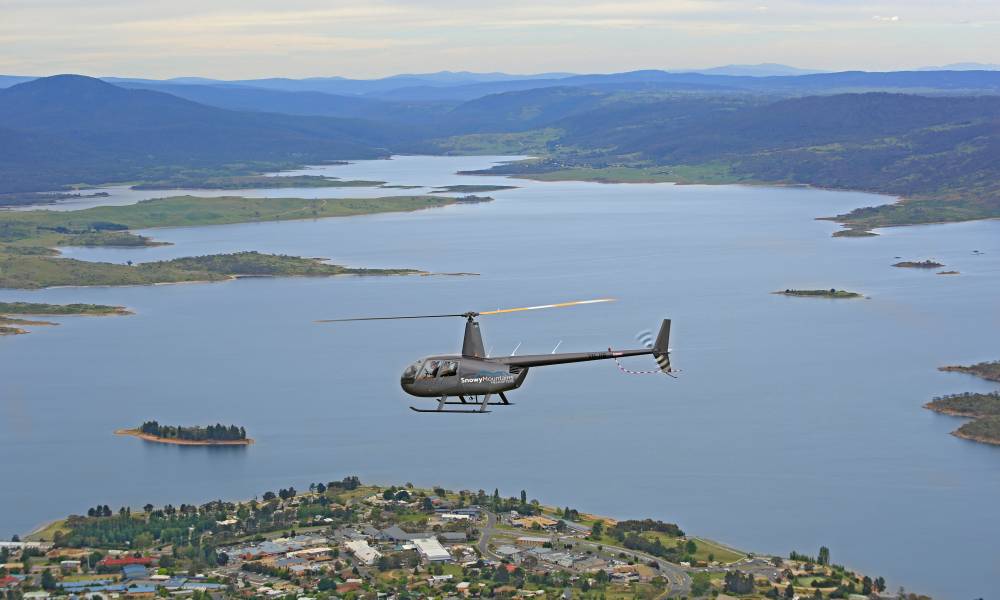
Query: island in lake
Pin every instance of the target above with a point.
(924, 264)
(830, 293)
(210, 435)
(8, 322)
(983, 409)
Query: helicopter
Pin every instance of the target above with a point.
(461, 379)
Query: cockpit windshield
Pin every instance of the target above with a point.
(411, 371)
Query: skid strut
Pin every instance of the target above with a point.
(475, 406)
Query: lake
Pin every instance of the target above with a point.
(796, 422)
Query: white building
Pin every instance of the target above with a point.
(455, 517)
(431, 549)
(362, 551)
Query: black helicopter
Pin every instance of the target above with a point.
(473, 374)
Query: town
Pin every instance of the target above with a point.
(347, 540)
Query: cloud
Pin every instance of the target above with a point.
(891, 19)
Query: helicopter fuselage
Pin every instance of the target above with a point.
(455, 375)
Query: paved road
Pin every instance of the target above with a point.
(678, 580)
(487, 532)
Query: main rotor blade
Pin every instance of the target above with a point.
(388, 318)
(559, 305)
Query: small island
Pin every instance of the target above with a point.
(854, 232)
(830, 293)
(948, 273)
(7, 322)
(924, 264)
(211, 435)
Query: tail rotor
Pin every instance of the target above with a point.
(658, 348)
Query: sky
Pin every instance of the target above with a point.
(235, 39)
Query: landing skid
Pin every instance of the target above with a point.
(475, 406)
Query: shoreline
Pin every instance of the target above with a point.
(178, 442)
(975, 438)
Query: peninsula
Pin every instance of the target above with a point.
(830, 293)
(346, 539)
(7, 322)
(243, 182)
(983, 409)
(28, 260)
(210, 435)
(989, 371)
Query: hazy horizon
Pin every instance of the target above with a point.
(231, 39)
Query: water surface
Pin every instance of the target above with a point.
(796, 422)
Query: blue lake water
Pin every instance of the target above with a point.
(796, 422)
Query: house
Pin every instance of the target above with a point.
(453, 537)
(453, 516)
(431, 549)
(141, 591)
(133, 571)
(462, 588)
(396, 534)
(126, 560)
(363, 552)
(69, 566)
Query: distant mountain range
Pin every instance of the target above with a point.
(71, 129)
(940, 136)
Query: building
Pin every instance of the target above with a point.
(453, 516)
(431, 549)
(529, 522)
(530, 540)
(362, 551)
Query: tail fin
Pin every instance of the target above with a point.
(661, 347)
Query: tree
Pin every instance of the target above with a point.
(866, 586)
(824, 556)
(690, 547)
(524, 497)
(48, 580)
(327, 584)
(700, 584)
(789, 591)
(597, 529)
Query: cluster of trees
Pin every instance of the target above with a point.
(101, 510)
(739, 583)
(622, 527)
(217, 432)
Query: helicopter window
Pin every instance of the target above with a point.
(411, 371)
(430, 369)
(448, 369)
